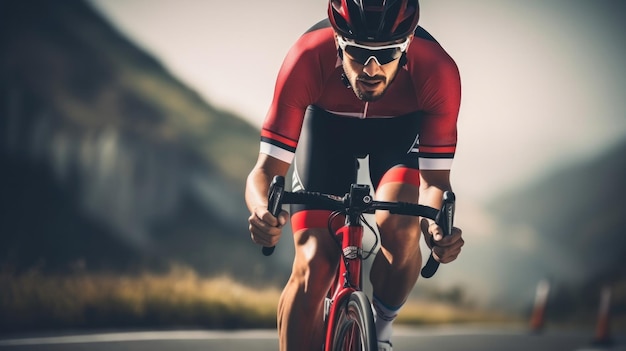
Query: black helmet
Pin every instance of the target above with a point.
(374, 20)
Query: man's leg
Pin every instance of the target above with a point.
(397, 265)
(301, 305)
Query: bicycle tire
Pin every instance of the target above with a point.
(354, 326)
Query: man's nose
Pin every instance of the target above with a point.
(371, 67)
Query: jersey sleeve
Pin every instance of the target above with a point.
(441, 98)
(298, 85)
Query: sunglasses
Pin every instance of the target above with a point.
(381, 54)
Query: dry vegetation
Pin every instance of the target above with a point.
(179, 298)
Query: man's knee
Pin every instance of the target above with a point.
(315, 260)
(400, 235)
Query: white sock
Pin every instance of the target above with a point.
(385, 315)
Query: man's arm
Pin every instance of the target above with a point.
(265, 229)
(433, 184)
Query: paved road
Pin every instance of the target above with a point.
(407, 339)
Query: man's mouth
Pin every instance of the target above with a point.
(370, 83)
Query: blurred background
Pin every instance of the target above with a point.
(127, 129)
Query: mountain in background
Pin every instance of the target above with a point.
(108, 161)
(573, 226)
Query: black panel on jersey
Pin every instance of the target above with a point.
(325, 23)
(423, 34)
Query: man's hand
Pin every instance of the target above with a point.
(445, 248)
(266, 229)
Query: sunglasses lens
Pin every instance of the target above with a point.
(384, 56)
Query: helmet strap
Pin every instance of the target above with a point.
(345, 80)
(403, 60)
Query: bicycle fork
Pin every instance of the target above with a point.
(348, 277)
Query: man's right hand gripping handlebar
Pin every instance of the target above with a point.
(274, 205)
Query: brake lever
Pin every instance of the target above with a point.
(274, 205)
(444, 219)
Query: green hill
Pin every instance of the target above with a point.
(108, 161)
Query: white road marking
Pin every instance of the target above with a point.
(143, 336)
(454, 330)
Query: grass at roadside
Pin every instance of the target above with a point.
(91, 300)
(179, 298)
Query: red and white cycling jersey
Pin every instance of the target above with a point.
(429, 84)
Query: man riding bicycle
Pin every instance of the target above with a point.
(365, 81)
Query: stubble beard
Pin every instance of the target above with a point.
(367, 96)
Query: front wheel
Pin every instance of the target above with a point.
(354, 328)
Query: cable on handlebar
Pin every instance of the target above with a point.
(371, 251)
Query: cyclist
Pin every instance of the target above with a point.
(365, 81)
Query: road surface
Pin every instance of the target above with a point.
(408, 339)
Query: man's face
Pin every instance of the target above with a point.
(371, 79)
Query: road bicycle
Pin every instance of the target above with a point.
(348, 315)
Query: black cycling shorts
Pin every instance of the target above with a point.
(329, 145)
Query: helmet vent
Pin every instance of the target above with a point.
(374, 20)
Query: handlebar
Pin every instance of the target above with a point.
(357, 202)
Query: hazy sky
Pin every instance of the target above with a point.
(543, 80)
